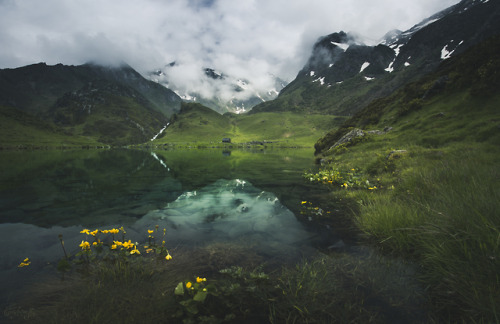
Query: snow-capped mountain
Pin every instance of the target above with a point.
(221, 92)
(343, 75)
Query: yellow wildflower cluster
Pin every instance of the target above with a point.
(308, 209)
(128, 246)
(96, 231)
(26, 262)
(198, 279)
(85, 245)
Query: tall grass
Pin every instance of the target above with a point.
(448, 214)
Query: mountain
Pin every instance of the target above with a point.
(226, 93)
(420, 168)
(111, 105)
(343, 75)
(456, 102)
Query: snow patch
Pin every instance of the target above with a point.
(321, 80)
(397, 49)
(273, 92)
(369, 79)
(240, 110)
(311, 73)
(364, 66)
(407, 64)
(390, 68)
(161, 131)
(342, 46)
(446, 54)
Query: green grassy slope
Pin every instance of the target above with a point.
(429, 188)
(198, 124)
(110, 113)
(21, 129)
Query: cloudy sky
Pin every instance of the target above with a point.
(248, 38)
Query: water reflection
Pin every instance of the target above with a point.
(229, 211)
(199, 196)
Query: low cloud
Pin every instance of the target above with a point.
(249, 39)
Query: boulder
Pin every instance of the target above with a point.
(349, 137)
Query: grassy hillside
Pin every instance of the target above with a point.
(36, 88)
(428, 189)
(18, 129)
(198, 124)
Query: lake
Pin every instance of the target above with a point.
(249, 198)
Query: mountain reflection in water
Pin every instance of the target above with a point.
(228, 211)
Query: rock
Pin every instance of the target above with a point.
(375, 132)
(396, 154)
(355, 133)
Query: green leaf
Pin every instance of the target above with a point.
(200, 296)
(179, 290)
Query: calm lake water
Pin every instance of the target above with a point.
(248, 198)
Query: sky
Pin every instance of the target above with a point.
(248, 39)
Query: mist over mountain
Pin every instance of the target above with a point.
(217, 90)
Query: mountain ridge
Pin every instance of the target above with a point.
(110, 105)
(354, 74)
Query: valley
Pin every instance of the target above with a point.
(396, 180)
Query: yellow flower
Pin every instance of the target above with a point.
(93, 233)
(26, 262)
(198, 279)
(168, 257)
(128, 245)
(304, 202)
(94, 244)
(85, 245)
(204, 289)
(353, 169)
(188, 284)
(85, 231)
(150, 231)
(149, 250)
(113, 247)
(118, 243)
(135, 251)
(114, 231)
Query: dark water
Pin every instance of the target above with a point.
(253, 205)
(200, 196)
